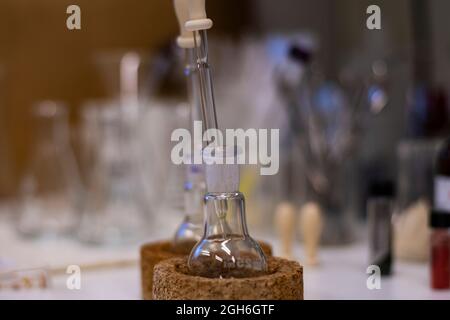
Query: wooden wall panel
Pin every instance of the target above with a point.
(44, 60)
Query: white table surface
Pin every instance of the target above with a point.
(341, 274)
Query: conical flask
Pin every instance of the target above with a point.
(50, 188)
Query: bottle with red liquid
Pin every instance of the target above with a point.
(440, 221)
(440, 250)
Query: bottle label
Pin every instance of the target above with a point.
(442, 193)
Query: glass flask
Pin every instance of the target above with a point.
(113, 209)
(226, 249)
(189, 232)
(50, 188)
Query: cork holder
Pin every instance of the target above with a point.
(155, 252)
(173, 282)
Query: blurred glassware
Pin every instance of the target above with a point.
(125, 74)
(415, 173)
(127, 80)
(378, 96)
(38, 278)
(164, 180)
(50, 188)
(326, 118)
(427, 109)
(164, 111)
(147, 85)
(114, 210)
(88, 138)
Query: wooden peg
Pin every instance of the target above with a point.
(311, 225)
(285, 225)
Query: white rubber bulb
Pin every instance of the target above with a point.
(186, 38)
(197, 16)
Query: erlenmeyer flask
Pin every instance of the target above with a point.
(50, 188)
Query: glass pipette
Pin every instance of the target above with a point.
(207, 100)
(189, 231)
(198, 24)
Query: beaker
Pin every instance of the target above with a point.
(50, 188)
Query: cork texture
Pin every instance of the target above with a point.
(283, 282)
(155, 252)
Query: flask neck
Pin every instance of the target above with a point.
(225, 215)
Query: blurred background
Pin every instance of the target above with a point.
(86, 118)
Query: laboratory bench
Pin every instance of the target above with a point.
(113, 272)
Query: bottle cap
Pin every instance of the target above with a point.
(440, 219)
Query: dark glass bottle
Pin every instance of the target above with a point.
(440, 221)
(440, 250)
(380, 208)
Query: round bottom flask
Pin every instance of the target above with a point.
(189, 232)
(226, 250)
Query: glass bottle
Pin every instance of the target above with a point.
(440, 249)
(380, 208)
(50, 188)
(440, 221)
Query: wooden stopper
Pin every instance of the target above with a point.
(283, 282)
